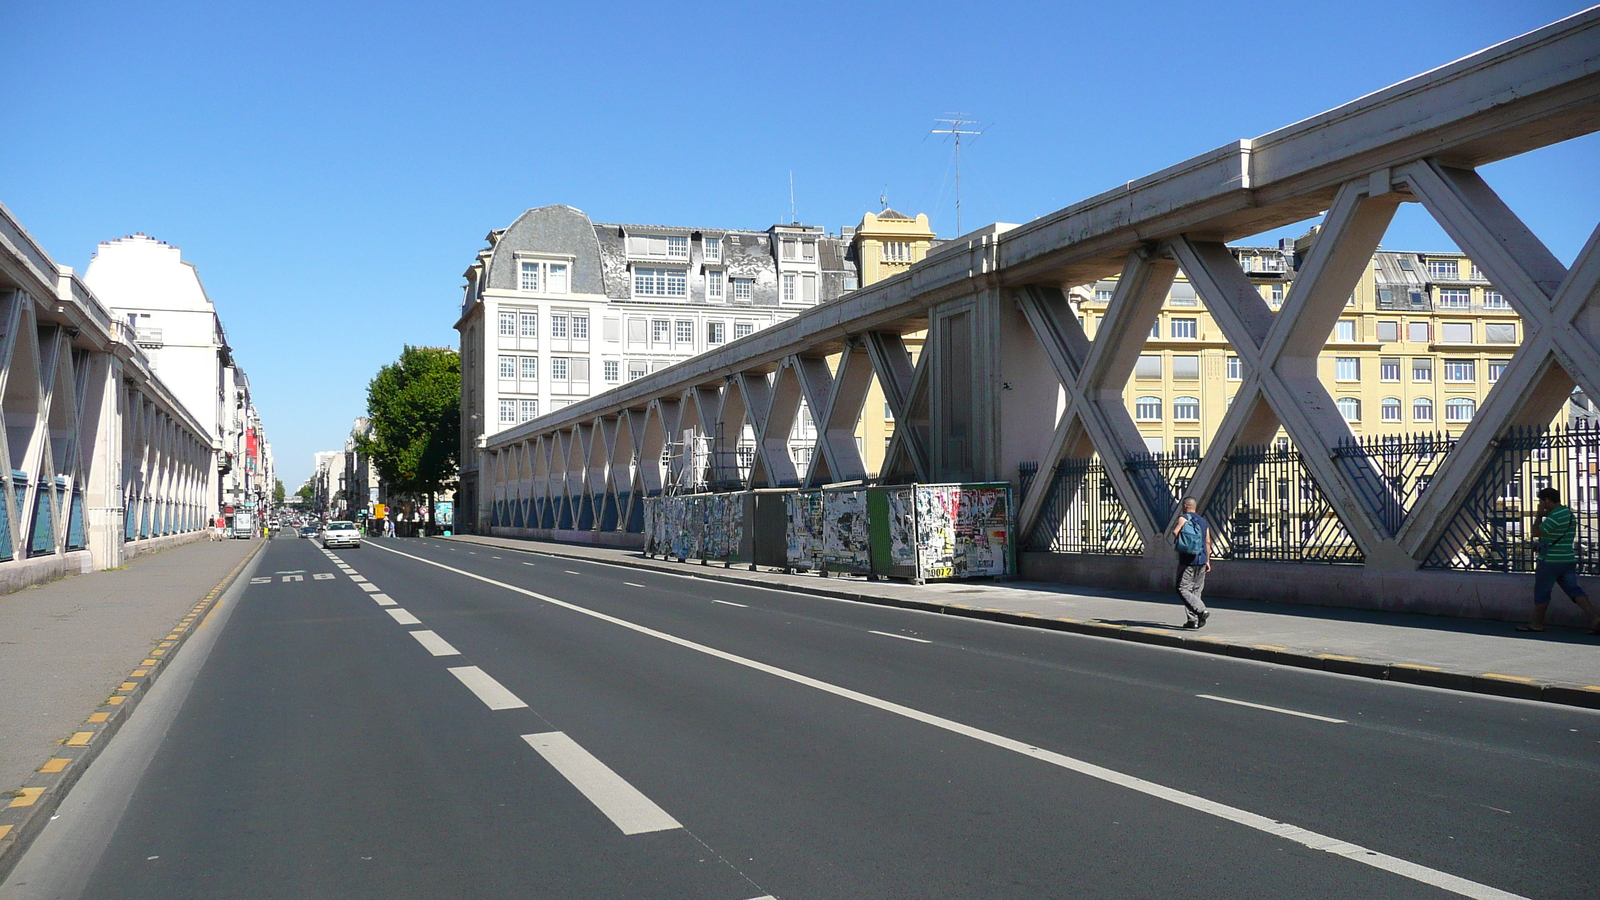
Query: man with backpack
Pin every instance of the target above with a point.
(1192, 538)
(1558, 564)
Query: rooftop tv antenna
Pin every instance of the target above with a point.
(792, 219)
(883, 199)
(955, 125)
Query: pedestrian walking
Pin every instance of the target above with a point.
(1553, 532)
(1192, 538)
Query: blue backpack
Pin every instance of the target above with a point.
(1192, 538)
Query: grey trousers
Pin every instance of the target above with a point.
(1191, 582)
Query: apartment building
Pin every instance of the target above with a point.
(1423, 339)
(557, 308)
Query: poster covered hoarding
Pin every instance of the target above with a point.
(924, 531)
(846, 541)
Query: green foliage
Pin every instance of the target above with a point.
(415, 408)
(306, 492)
(277, 492)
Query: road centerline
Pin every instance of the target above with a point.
(493, 694)
(901, 637)
(434, 644)
(1304, 837)
(731, 603)
(1276, 709)
(625, 805)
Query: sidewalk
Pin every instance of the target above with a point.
(1560, 666)
(69, 645)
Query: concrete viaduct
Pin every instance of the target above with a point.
(1007, 375)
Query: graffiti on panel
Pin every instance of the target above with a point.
(803, 530)
(846, 539)
(903, 527)
(982, 530)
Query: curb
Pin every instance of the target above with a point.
(1585, 696)
(32, 806)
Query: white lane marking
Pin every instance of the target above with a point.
(493, 694)
(434, 644)
(403, 617)
(626, 807)
(357, 578)
(265, 579)
(728, 603)
(1276, 709)
(632, 584)
(368, 586)
(494, 557)
(322, 576)
(527, 563)
(901, 637)
(382, 599)
(570, 572)
(1292, 833)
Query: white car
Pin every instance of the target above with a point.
(341, 534)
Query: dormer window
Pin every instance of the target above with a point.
(713, 248)
(542, 277)
(659, 246)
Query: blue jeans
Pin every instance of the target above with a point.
(1547, 575)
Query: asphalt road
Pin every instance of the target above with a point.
(580, 730)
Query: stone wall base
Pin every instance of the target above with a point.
(166, 542)
(567, 536)
(21, 573)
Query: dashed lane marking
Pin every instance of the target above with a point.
(382, 599)
(730, 603)
(902, 637)
(625, 805)
(368, 587)
(403, 617)
(357, 579)
(1276, 709)
(1294, 834)
(493, 694)
(632, 584)
(434, 644)
(571, 572)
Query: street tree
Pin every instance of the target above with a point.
(415, 408)
(277, 492)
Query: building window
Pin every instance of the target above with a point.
(660, 331)
(558, 326)
(637, 368)
(660, 282)
(743, 329)
(1186, 447)
(508, 412)
(1235, 369)
(808, 250)
(1447, 269)
(898, 251)
(1389, 368)
(1422, 410)
(580, 328)
(508, 367)
(1155, 328)
(1147, 409)
(1497, 367)
(530, 276)
(530, 409)
(685, 331)
(1347, 368)
(558, 369)
(1422, 370)
(1390, 409)
(612, 369)
(1459, 371)
(1388, 332)
(713, 249)
(678, 246)
(808, 288)
(508, 324)
(1459, 410)
(556, 278)
(1350, 408)
(1103, 295)
(1186, 368)
(1499, 332)
(1185, 328)
(1149, 366)
(530, 368)
(786, 248)
(788, 289)
(743, 288)
(530, 325)
(1454, 298)
(1186, 409)
(1417, 332)
(715, 332)
(1346, 330)
(1277, 293)
(1455, 333)
(1494, 300)
(638, 329)
(714, 282)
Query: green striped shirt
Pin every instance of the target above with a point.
(1556, 531)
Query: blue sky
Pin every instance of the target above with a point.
(333, 167)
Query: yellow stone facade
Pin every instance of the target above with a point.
(1421, 342)
(887, 244)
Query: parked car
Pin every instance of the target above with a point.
(341, 534)
(306, 531)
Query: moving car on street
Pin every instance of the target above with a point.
(341, 534)
(306, 531)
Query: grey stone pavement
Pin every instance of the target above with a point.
(66, 645)
(1471, 654)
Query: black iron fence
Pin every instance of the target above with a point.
(1082, 513)
(1267, 506)
(1162, 480)
(1391, 472)
(1494, 529)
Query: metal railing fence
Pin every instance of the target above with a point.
(1406, 464)
(1267, 506)
(1082, 513)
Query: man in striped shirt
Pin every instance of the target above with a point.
(1555, 529)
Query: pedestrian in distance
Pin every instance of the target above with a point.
(1192, 539)
(1553, 532)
